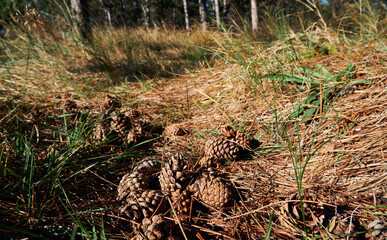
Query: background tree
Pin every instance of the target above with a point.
(80, 17)
(225, 11)
(254, 15)
(186, 14)
(107, 8)
(123, 12)
(203, 15)
(217, 14)
(146, 9)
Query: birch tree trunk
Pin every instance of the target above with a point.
(202, 11)
(146, 10)
(80, 17)
(186, 16)
(217, 13)
(107, 12)
(76, 14)
(254, 15)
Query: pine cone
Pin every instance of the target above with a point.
(340, 225)
(120, 123)
(147, 165)
(314, 211)
(131, 113)
(110, 103)
(131, 184)
(71, 106)
(376, 234)
(242, 140)
(205, 161)
(212, 191)
(228, 132)
(152, 228)
(102, 130)
(172, 177)
(183, 203)
(143, 205)
(174, 130)
(221, 149)
(136, 133)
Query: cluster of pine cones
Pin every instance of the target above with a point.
(125, 125)
(156, 188)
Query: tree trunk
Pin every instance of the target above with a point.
(225, 10)
(80, 17)
(254, 15)
(217, 14)
(107, 11)
(123, 12)
(186, 16)
(202, 11)
(146, 10)
(333, 2)
(138, 13)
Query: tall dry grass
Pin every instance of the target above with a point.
(315, 100)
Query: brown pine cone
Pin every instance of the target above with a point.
(172, 177)
(101, 130)
(148, 164)
(314, 211)
(212, 191)
(173, 131)
(341, 226)
(375, 233)
(71, 106)
(120, 123)
(242, 140)
(110, 103)
(153, 228)
(136, 133)
(183, 203)
(228, 132)
(142, 204)
(236, 136)
(132, 183)
(221, 149)
(131, 113)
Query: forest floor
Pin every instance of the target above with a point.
(315, 103)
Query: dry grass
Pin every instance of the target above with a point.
(340, 151)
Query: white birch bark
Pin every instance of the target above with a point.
(203, 17)
(186, 16)
(217, 14)
(254, 15)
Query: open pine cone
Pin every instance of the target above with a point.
(138, 191)
(143, 205)
(131, 184)
(174, 130)
(172, 177)
(236, 136)
(221, 149)
(314, 211)
(340, 225)
(110, 103)
(148, 165)
(152, 229)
